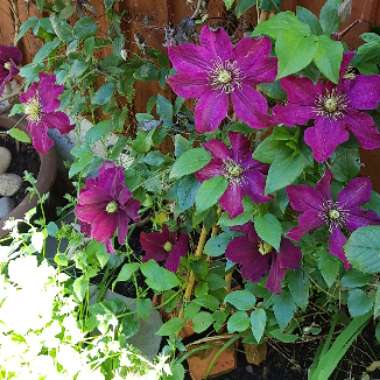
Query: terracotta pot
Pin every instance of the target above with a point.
(45, 178)
(199, 363)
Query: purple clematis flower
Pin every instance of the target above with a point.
(106, 204)
(165, 246)
(245, 176)
(216, 72)
(335, 109)
(257, 258)
(10, 58)
(318, 208)
(40, 106)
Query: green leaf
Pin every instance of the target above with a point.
(328, 57)
(299, 287)
(126, 272)
(164, 109)
(84, 27)
(269, 229)
(185, 190)
(246, 216)
(172, 327)
(310, 19)
(45, 51)
(268, 149)
(258, 323)
(280, 23)
(190, 162)
(363, 249)
(144, 308)
(243, 6)
(358, 302)
(238, 322)
(241, 299)
(158, 278)
(346, 165)
(16, 109)
(99, 131)
(103, 95)
(329, 267)
(294, 51)
(284, 170)
(19, 135)
(355, 279)
(329, 17)
(284, 308)
(209, 192)
(202, 321)
(229, 4)
(207, 301)
(282, 337)
(80, 287)
(216, 245)
(30, 23)
(376, 308)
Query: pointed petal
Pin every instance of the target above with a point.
(336, 243)
(49, 92)
(122, 227)
(254, 186)
(364, 94)
(301, 91)
(325, 137)
(103, 227)
(276, 276)
(88, 213)
(289, 256)
(40, 139)
(218, 149)
(241, 148)
(58, 120)
(231, 200)
(132, 209)
(213, 169)
(211, 109)
(190, 58)
(304, 198)
(359, 218)
(363, 127)
(307, 221)
(293, 114)
(29, 94)
(179, 249)
(251, 107)
(355, 193)
(324, 185)
(189, 84)
(217, 42)
(152, 244)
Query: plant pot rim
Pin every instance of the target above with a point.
(45, 179)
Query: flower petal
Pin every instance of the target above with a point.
(49, 92)
(231, 200)
(364, 94)
(293, 114)
(218, 149)
(336, 243)
(325, 137)
(217, 42)
(355, 193)
(212, 169)
(363, 127)
(122, 227)
(132, 208)
(40, 139)
(29, 94)
(357, 218)
(103, 227)
(301, 91)
(324, 185)
(211, 109)
(251, 107)
(241, 147)
(189, 85)
(8, 53)
(88, 213)
(276, 276)
(58, 120)
(179, 249)
(307, 221)
(254, 186)
(152, 244)
(347, 58)
(305, 198)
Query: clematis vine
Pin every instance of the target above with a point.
(318, 208)
(215, 73)
(165, 246)
(10, 58)
(257, 258)
(40, 106)
(245, 176)
(106, 205)
(335, 109)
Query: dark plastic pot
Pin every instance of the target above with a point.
(45, 179)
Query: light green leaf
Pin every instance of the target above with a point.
(329, 268)
(209, 193)
(258, 323)
(284, 308)
(294, 51)
(189, 162)
(45, 51)
(269, 229)
(158, 278)
(19, 135)
(238, 322)
(202, 321)
(84, 27)
(328, 57)
(299, 287)
(309, 18)
(99, 131)
(376, 309)
(243, 6)
(126, 272)
(172, 327)
(358, 302)
(241, 299)
(329, 16)
(30, 23)
(216, 245)
(229, 4)
(103, 95)
(80, 287)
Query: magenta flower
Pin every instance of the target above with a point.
(318, 208)
(216, 72)
(245, 176)
(10, 58)
(40, 106)
(335, 109)
(165, 246)
(106, 204)
(85, 228)
(257, 258)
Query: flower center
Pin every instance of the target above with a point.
(32, 110)
(225, 76)
(333, 214)
(232, 171)
(168, 246)
(265, 248)
(7, 66)
(112, 207)
(331, 104)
